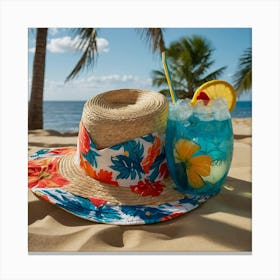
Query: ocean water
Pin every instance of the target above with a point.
(66, 115)
(242, 110)
(62, 115)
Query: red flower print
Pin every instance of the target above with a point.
(163, 170)
(84, 140)
(148, 188)
(105, 177)
(97, 201)
(44, 173)
(153, 152)
(102, 176)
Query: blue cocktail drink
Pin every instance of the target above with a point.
(199, 145)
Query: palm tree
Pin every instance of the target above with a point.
(88, 46)
(189, 61)
(243, 77)
(35, 111)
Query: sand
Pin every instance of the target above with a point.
(222, 224)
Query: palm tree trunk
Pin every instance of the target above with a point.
(35, 113)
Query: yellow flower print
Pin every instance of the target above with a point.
(196, 166)
(184, 149)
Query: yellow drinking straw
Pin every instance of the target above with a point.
(167, 75)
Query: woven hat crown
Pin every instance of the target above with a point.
(117, 116)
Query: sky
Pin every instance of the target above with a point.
(125, 60)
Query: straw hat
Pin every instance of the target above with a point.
(117, 174)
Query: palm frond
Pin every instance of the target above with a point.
(181, 94)
(213, 75)
(203, 67)
(154, 38)
(88, 45)
(244, 82)
(158, 78)
(243, 77)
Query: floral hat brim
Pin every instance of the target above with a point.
(46, 181)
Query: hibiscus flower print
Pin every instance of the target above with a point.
(145, 188)
(196, 166)
(44, 173)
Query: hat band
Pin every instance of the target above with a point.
(130, 164)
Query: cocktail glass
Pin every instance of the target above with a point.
(199, 145)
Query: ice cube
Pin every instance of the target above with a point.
(181, 110)
(220, 109)
(202, 111)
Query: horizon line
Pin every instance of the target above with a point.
(77, 100)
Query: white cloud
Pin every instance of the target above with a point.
(102, 44)
(111, 78)
(99, 81)
(69, 44)
(63, 44)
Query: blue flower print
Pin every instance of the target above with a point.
(147, 214)
(106, 214)
(156, 165)
(129, 164)
(40, 153)
(92, 154)
(149, 138)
